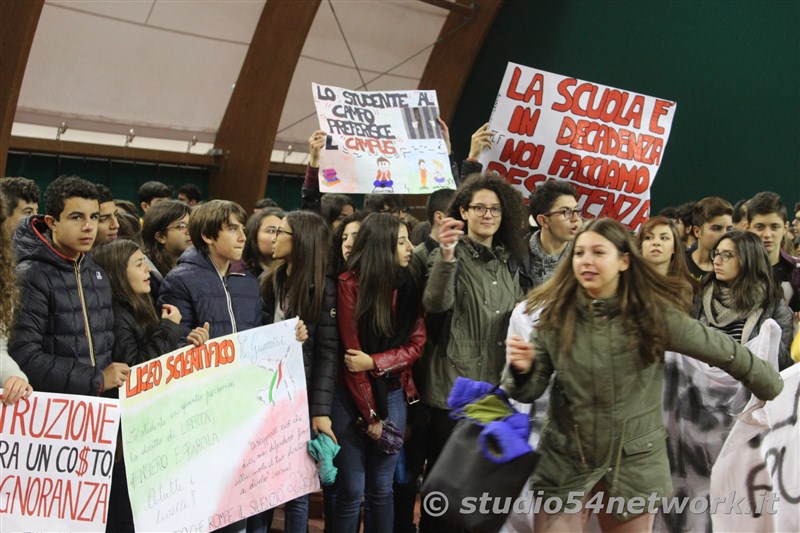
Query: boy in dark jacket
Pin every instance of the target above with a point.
(210, 283)
(63, 337)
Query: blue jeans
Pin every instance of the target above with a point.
(363, 469)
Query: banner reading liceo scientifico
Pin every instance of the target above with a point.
(607, 142)
(217, 433)
(56, 462)
(381, 142)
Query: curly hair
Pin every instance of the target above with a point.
(64, 187)
(8, 286)
(512, 224)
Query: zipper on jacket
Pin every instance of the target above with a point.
(580, 446)
(76, 267)
(227, 298)
(372, 412)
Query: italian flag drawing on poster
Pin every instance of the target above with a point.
(214, 434)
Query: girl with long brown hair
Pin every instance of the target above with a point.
(382, 330)
(606, 319)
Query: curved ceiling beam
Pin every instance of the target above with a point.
(247, 132)
(451, 59)
(19, 26)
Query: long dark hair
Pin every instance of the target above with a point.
(251, 253)
(646, 296)
(113, 258)
(331, 205)
(156, 220)
(754, 287)
(374, 261)
(301, 292)
(337, 263)
(8, 287)
(509, 234)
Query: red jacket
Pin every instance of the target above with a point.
(395, 360)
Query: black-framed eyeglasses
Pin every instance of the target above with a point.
(281, 231)
(272, 230)
(480, 210)
(395, 210)
(180, 226)
(726, 255)
(565, 212)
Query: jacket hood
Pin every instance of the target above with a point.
(32, 243)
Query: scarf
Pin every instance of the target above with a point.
(405, 316)
(542, 264)
(718, 309)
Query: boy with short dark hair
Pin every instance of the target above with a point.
(152, 192)
(21, 199)
(190, 194)
(712, 218)
(107, 222)
(767, 218)
(554, 207)
(63, 336)
(210, 285)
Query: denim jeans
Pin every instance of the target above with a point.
(363, 469)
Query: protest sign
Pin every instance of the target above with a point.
(381, 142)
(607, 142)
(700, 408)
(217, 433)
(56, 461)
(760, 462)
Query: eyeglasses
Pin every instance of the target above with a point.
(726, 255)
(566, 213)
(272, 230)
(480, 210)
(281, 231)
(395, 210)
(180, 226)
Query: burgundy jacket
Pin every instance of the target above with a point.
(397, 360)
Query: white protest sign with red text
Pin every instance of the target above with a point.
(56, 461)
(216, 433)
(607, 142)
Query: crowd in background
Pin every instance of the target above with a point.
(574, 315)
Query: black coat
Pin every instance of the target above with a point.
(201, 295)
(321, 351)
(63, 337)
(132, 345)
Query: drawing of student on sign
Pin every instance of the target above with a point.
(383, 181)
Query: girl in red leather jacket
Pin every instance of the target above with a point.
(382, 330)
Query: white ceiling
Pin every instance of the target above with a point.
(167, 68)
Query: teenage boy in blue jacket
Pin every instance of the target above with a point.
(209, 285)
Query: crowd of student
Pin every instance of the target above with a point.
(388, 326)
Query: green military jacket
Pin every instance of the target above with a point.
(477, 292)
(604, 420)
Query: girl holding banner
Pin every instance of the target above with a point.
(299, 286)
(606, 320)
(383, 332)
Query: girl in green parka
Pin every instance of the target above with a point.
(607, 318)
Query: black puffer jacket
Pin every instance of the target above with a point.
(63, 337)
(321, 351)
(195, 287)
(132, 344)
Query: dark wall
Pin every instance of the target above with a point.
(122, 177)
(732, 67)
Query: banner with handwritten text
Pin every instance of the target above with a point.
(56, 461)
(608, 143)
(214, 434)
(381, 142)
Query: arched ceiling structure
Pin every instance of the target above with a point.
(230, 77)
